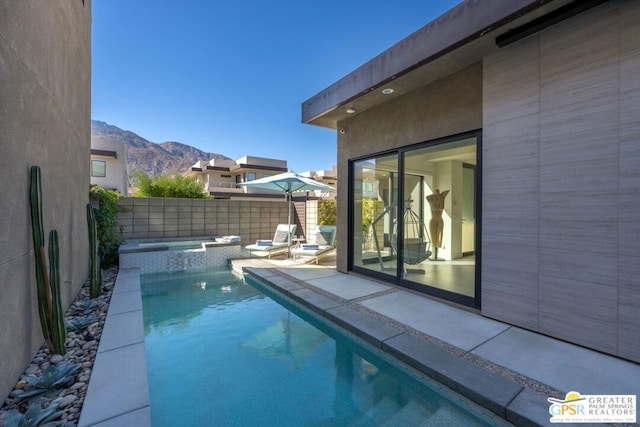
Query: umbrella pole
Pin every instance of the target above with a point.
(289, 225)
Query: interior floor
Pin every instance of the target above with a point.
(456, 276)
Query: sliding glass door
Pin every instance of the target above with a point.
(413, 216)
(375, 194)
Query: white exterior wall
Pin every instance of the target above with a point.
(116, 170)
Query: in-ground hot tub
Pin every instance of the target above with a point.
(170, 255)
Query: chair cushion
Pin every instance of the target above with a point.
(324, 238)
(264, 242)
(281, 236)
(309, 246)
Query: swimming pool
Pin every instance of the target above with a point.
(222, 351)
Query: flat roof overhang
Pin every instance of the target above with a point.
(459, 38)
(104, 153)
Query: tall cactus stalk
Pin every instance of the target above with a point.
(58, 327)
(49, 302)
(95, 282)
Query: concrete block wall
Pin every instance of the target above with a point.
(45, 114)
(160, 218)
(560, 246)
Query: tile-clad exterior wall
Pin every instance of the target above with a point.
(155, 218)
(171, 261)
(561, 182)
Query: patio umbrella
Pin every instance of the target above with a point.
(289, 182)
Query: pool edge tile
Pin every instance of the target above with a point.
(110, 395)
(313, 300)
(372, 330)
(108, 362)
(477, 384)
(139, 418)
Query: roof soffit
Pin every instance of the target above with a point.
(452, 42)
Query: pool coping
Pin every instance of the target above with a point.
(118, 392)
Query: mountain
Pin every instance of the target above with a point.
(153, 159)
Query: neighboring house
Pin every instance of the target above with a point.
(220, 177)
(329, 177)
(506, 135)
(109, 165)
(45, 120)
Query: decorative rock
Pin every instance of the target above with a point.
(77, 385)
(32, 369)
(56, 358)
(67, 400)
(89, 344)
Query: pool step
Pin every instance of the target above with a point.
(449, 415)
(411, 414)
(377, 414)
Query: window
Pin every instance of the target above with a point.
(98, 168)
(251, 176)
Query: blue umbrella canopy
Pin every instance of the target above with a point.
(289, 182)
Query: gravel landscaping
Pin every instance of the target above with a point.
(64, 400)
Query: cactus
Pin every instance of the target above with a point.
(49, 301)
(95, 283)
(58, 327)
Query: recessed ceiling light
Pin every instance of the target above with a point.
(351, 110)
(387, 91)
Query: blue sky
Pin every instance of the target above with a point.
(229, 77)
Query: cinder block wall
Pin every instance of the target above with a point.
(45, 114)
(156, 218)
(560, 247)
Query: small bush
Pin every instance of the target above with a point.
(176, 186)
(110, 238)
(327, 212)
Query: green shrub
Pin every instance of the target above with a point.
(327, 212)
(110, 238)
(176, 186)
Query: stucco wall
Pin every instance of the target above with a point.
(560, 247)
(116, 168)
(448, 106)
(45, 87)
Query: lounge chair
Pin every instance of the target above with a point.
(322, 244)
(279, 243)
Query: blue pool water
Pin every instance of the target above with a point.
(220, 352)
